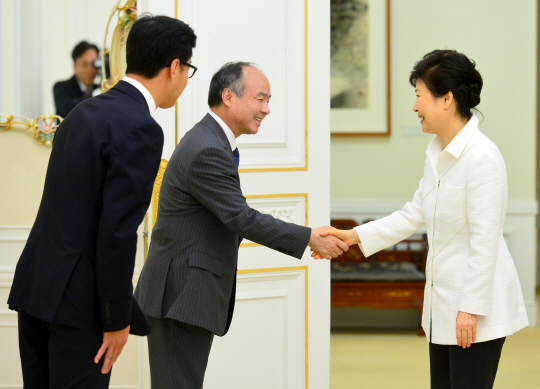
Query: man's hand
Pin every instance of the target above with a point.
(349, 237)
(327, 246)
(113, 343)
(465, 329)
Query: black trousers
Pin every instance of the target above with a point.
(453, 367)
(54, 356)
(178, 354)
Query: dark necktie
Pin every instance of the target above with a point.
(236, 157)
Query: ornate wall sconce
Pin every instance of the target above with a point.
(42, 128)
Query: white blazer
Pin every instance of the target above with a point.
(462, 201)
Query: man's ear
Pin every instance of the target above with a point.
(175, 68)
(227, 96)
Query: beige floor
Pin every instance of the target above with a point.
(399, 360)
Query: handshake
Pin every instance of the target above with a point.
(328, 242)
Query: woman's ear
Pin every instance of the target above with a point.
(448, 100)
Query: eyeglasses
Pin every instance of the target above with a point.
(192, 69)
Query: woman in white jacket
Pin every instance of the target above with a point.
(472, 298)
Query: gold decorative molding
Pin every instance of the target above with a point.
(42, 128)
(306, 293)
(157, 188)
(281, 195)
(125, 16)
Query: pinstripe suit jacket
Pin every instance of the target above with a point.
(190, 272)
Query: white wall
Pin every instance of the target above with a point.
(36, 40)
(501, 37)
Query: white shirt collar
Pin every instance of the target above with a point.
(226, 129)
(454, 149)
(147, 96)
(457, 145)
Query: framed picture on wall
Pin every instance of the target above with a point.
(360, 67)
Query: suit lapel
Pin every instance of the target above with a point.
(211, 123)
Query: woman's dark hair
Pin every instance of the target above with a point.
(155, 41)
(446, 71)
(81, 48)
(229, 76)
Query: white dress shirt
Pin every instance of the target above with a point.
(462, 200)
(147, 96)
(82, 85)
(226, 129)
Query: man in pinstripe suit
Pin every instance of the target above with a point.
(187, 286)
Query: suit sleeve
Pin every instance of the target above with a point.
(133, 165)
(215, 185)
(486, 194)
(380, 234)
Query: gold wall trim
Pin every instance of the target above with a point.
(272, 169)
(306, 293)
(157, 188)
(250, 245)
(279, 195)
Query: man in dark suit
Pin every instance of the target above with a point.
(73, 283)
(187, 286)
(69, 93)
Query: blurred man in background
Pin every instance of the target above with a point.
(69, 93)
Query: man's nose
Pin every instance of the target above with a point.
(414, 108)
(266, 109)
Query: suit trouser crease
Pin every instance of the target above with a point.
(178, 354)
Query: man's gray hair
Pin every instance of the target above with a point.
(229, 76)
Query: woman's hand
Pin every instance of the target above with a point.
(349, 237)
(465, 329)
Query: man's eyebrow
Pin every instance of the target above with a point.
(263, 94)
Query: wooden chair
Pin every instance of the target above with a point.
(393, 278)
